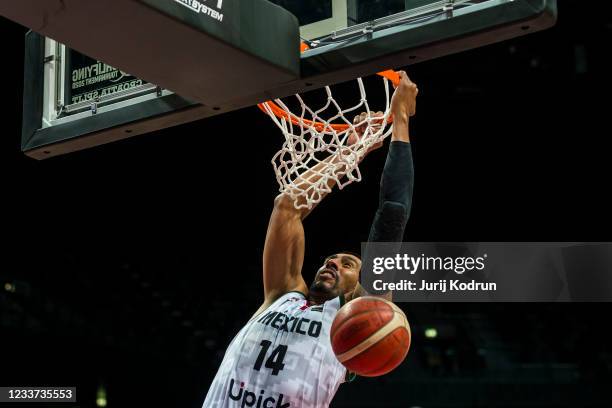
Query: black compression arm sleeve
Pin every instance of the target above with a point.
(395, 201)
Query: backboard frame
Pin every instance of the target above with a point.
(392, 47)
(463, 29)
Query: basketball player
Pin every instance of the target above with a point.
(283, 357)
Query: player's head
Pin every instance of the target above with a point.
(338, 274)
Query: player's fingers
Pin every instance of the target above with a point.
(378, 117)
(364, 121)
(359, 127)
(407, 80)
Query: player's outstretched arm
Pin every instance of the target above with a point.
(283, 254)
(397, 180)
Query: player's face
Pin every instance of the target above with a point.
(339, 274)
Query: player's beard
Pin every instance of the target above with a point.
(321, 290)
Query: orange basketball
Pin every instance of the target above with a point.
(370, 336)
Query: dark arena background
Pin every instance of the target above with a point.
(127, 269)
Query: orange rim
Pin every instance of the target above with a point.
(391, 75)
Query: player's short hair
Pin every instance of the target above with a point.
(355, 254)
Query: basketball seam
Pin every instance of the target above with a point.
(335, 330)
(389, 327)
(365, 374)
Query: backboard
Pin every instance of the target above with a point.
(127, 86)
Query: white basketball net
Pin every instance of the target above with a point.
(315, 144)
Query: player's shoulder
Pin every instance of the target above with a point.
(294, 294)
(291, 296)
(271, 304)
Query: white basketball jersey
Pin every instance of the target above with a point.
(282, 358)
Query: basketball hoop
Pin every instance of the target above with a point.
(324, 147)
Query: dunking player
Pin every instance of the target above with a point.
(283, 357)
